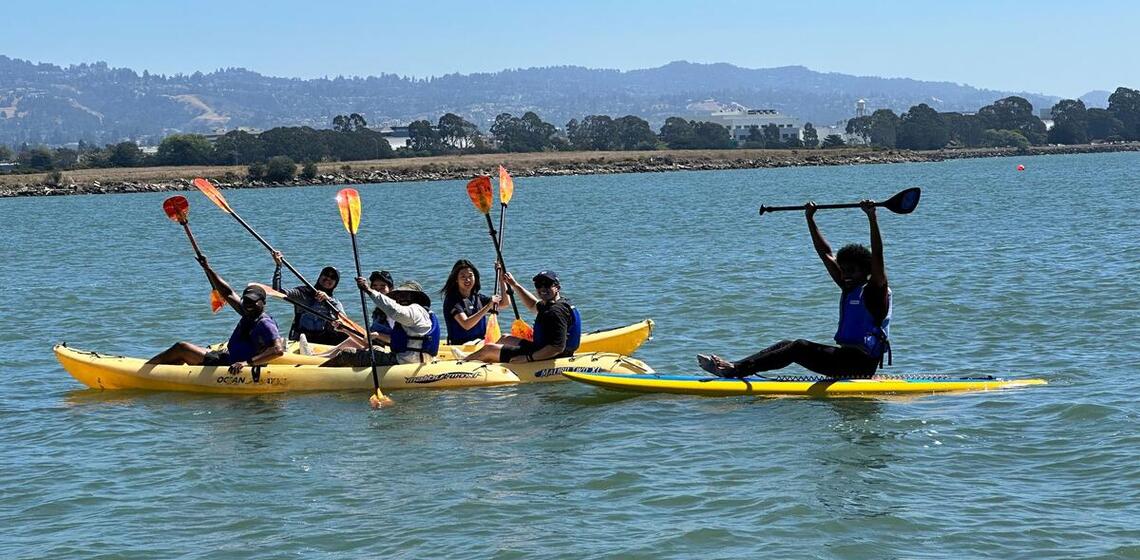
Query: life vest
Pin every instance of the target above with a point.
(573, 334)
(456, 334)
(380, 322)
(311, 325)
(242, 345)
(428, 343)
(857, 327)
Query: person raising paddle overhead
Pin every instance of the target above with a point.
(557, 325)
(316, 329)
(864, 315)
(254, 341)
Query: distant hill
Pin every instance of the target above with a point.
(1096, 98)
(45, 103)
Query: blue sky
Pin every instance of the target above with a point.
(1058, 48)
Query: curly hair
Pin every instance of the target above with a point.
(856, 254)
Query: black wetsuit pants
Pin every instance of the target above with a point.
(826, 359)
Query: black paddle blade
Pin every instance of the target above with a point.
(904, 202)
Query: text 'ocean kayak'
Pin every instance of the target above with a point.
(805, 385)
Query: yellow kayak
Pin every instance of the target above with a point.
(805, 385)
(620, 340)
(100, 371)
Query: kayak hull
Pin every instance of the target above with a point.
(100, 371)
(812, 386)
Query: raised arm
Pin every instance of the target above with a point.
(220, 285)
(878, 267)
(821, 247)
(528, 299)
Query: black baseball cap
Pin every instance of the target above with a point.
(382, 275)
(253, 293)
(548, 275)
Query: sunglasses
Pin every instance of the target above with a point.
(541, 284)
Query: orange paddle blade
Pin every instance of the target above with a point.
(212, 193)
(217, 302)
(519, 329)
(482, 196)
(494, 333)
(176, 208)
(506, 186)
(348, 201)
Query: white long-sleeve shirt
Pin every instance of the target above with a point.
(414, 318)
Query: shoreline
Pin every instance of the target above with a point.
(541, 164)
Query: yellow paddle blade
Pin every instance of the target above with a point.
(506, 186)
(378, 400)
(217, 302)
(482, 196)
(212, 193)
(177, 208)
(494, 333)
(519, 329)
(348, 201)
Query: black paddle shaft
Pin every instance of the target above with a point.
(499, 253)
(902, 203)
(364, 308)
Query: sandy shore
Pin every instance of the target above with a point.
(158, 179)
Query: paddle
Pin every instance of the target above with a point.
(177, 208)
(902, 203)
(348, 201)
(506, 191)
(347, 323)
(480, 192)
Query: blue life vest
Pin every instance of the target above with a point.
(456, 334)
(311, 325)
(858, 328)
(573, 335)
(250, 338)
(429, 343)
(380, 322)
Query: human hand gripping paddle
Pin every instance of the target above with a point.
(348, 201)
(902, 203)
(212, 193)
(482, 196)
(506, 191)
(177, 208)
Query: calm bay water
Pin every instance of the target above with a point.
(997, 272)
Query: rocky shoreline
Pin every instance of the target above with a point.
(534, 165)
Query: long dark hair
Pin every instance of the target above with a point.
(451, 287)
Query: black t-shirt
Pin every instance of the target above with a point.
(553, 323)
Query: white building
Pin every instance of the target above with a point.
(740, 123)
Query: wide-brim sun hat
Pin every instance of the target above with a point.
(414, 290)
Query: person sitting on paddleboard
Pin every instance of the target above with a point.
(316, 329)
(415, 336)
(464, 308)
(380, 329)
(557, 325)
(864, 315)
(254, 341)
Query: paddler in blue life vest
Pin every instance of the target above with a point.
(557, 325)
(415, 336)
(380, 328)
(316, 329)
(464, 308)
(864, 315)
(254, 341)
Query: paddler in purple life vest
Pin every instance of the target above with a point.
(254, 341)
(864, 316)
(557, 325)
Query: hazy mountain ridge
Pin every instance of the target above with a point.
(51, 104)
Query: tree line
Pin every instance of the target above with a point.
(274, 154)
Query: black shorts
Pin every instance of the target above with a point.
(357, 357)
(509, 352)
(217, 358)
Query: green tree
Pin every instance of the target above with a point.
(40, 158)
(309, 171)
(1124, 104)
(833, 141)
(595, 132)
(922, 128)
(184, 149)
(349, 123)
(280, 169)
(1070, 123)
(811, 136)
(256, 171)
(793, 142)
(65, 158)
(298, 142)
(965, 130)
(238, 147)
(5, 153)
(457, 132)
(884, 128)
(528, 133)
(1005, 138)
(633, 133)
(1102, 125)
(124, 154)
(860, 126)
(771, 135)
(712, 136)
(1014, 113)
(424, 137)
(677, 134)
